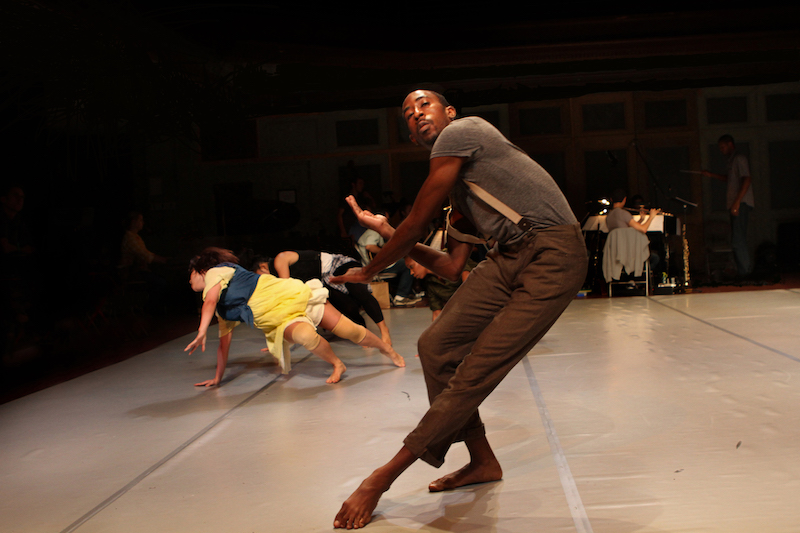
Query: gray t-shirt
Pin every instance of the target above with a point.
(618, 218)
(507, 173)
(738, 168)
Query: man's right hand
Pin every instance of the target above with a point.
(354, 275)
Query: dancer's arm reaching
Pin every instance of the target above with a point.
(448, 264)
(222, 361)
(206, 315)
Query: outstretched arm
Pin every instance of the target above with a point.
(441, 179)
(206, 315)
(222, 361)
(448, 265)
(644, 223)
(401, 241)
(709, 174)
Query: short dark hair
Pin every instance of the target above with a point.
(257, 260)
(211, 257)
(618, 195)
(442, 99)
(726, 139)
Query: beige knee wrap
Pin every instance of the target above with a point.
(347, 329)
(306, 336)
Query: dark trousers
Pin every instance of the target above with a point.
(358, 297)
(509, 301)
(741, 252)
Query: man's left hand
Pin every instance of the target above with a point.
(377, 223)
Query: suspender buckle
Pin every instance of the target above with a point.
(525, 225)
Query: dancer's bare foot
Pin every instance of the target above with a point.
(356, 511)
(468, 475)
(396, 358)
(338, 370)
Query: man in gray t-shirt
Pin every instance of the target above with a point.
(739, 200)
(505, 172)
(507, 303)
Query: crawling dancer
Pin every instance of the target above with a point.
(286, 310)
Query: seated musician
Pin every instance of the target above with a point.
(621, 217)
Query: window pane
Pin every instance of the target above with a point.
(357, 132)
(726, 110)
(597, 117)
(540, 121)
(784, 172)
(665, 114)
(783, 107)
(606, 170)
(492, 117)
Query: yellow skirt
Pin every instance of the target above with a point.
(311, 313)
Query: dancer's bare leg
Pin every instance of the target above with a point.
(356, 511)
(331, 319)
(482, 468)
(373, 341)
(323, 350)
(384, 329)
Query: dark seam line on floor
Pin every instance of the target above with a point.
(121, 492)
(573, 497)
(773, 350)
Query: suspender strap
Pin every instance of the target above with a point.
(462, 237)
(499, 206)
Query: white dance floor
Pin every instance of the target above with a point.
(669, 414)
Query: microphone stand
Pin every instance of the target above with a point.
(656, 186)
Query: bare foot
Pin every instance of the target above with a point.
(470, 474)
(356, 511)
(338, 370)
(396, 358)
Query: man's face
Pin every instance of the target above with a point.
(426, 117)
(726, 148)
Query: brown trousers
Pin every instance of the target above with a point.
(492, 321)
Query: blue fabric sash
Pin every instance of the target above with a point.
(232, 305)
